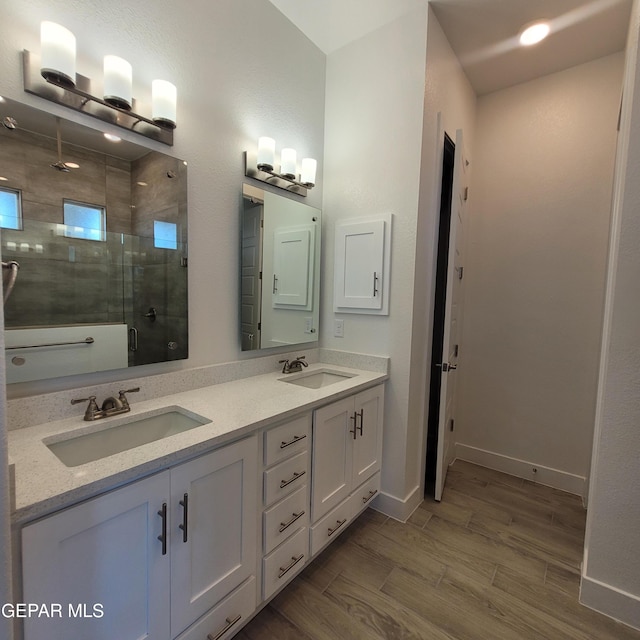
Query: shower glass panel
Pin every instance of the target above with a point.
(122, 280)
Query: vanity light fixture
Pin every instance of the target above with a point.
(164, 99)
(53, 77)
(58, 51)
(534, 33)
(112, 138)
(118, 81)
(261, 165)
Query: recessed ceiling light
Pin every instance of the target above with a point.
(534, 33)
(111, 138)
(1, 99)
(3, 178)
(72, 165)
(142, 184)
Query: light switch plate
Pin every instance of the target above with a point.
(338, 328)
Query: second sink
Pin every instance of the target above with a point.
(317, 379)
(133, 432)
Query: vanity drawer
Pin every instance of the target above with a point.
(364, 495)
(286, 440)
(332, 525)
(285, 562)
(226, 618)
(285, 518)
(286, 477)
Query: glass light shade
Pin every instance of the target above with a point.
(118, 79)
(534, 33)
(266, 153)
(308, 171)
(57, 54)
(288, 163)
(164, 99)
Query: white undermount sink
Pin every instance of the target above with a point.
(317, 379)
(122, 436)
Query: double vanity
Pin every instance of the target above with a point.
(183, 517)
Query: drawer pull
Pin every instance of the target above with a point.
(354, 417)
(339, 523)
(163, 536)
(284, 445)
(293, 478)
(293, 563)
(228, 626)
(371, 494)
(286, 525)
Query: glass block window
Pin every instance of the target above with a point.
(10, 209)
(85, 221)
(165, 235)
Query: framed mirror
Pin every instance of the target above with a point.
(98, 229)
(280, 270)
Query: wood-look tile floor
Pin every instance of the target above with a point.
(497, 559)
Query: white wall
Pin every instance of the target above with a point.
(242, 70)
(539, 223)
(611, 568)
(448, 93)
(374, 103)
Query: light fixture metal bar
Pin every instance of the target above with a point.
(275, 179)
(80, 99)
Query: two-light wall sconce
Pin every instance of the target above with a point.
(57, 66)
(261, 167)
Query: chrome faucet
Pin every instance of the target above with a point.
(294, 365)
(110, 407)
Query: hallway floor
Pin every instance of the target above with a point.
(497, 559)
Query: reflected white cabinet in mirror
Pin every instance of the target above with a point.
(280, 278)
(99, 229)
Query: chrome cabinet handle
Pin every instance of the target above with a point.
(339, 523)
(293, 563)
(226, 628)
(286, 525)
(163, 536)
(366, 499)
(293, 478)
(284, 445)
(275, 284)
(184, 503)
(354, 417)
(361, 414)
(375, 284)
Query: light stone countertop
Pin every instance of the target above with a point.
(236, 409)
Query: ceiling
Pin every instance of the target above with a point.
(483, 33)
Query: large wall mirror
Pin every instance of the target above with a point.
(98, 228)
(280, 279)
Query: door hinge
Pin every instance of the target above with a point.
(259, 326)
(184, 262)
(466, 194)
(451, 424)
(460, 271)
(456, 351)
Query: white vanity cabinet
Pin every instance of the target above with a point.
(152, 557)
(347, 451)
(285, 519)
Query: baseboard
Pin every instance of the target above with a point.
(612, 602)
(397, 508)
(523, 469)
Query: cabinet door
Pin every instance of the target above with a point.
(367, 446)
(331, 460)
(213, 529)
(102, 562)
(359, 265)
